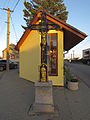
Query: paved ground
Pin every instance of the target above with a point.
(81, 70)
(16, 96)
(1, 74)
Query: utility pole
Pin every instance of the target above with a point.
(7, 65)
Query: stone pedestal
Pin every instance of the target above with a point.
(43, 97)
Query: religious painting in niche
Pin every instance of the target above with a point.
(52, 55)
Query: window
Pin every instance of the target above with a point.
(52, 54)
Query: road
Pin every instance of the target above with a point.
(82, 71)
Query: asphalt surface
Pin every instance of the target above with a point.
(1, 74)
(81, 71)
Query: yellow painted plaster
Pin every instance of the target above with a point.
(59, 80)
(30, 58)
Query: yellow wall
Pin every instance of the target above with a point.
(30, 58)
(59, 80)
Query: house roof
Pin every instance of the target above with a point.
(72, 36)
(9, 46)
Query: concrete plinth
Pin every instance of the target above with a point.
(43, 97)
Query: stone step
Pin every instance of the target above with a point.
(49, 108)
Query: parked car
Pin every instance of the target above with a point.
(3, 63)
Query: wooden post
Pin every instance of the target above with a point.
(7, 65)
(8, 41)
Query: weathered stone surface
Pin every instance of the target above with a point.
(43, 93)
(43, 97)
(43, 108)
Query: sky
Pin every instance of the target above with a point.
(78, 17)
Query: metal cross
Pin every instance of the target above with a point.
(43, 27)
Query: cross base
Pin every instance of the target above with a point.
(43, 98)
(43, 108)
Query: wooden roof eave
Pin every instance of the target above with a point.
(26, 33)
(63, 25)
(60, 23)
(67, 27)
(20, 42)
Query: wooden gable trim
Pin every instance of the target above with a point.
(67, 27)
(55, 20)
(35, 19)
(26, 33)
(63, 24)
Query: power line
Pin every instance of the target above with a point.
(16, 5)
(12, 20)
(7, 3)
(13, 4)
(1, 8)
(14, 28)
(2, 29)
(2, 21)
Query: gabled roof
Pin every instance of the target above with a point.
(72, 36)
(9, 46)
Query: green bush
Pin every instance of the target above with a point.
(68, 74)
